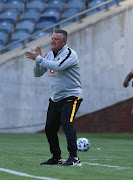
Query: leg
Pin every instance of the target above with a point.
(69, 110)
(52, 126)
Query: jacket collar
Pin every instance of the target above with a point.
(59, 52)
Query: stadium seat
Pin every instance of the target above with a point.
(3, 1)
(1, 7)
(44, 24)
(23, 1)
(31, 16)
(85, 1)
(93, 12)
(44, 1)
(26, 26)
(15, 6)
(79, 5)
(1, 46)
(14, 46)
(36, 5)
(69, 13)
(41, 34)
(96, 3)
(56, 4)
(64, 1)
(19, 36)
(11, 17)
(50, 15)
(67, 23)
(112, 3)
(6, 27)
(3, 38)
(38, 15)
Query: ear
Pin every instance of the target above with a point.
(64, 42)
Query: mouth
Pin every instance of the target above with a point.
(53, 45)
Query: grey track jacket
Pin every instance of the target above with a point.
(63, 73)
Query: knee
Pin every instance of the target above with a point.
(66, 124)
(48, 127)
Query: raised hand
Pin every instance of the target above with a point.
(38, 50)
(31, 55)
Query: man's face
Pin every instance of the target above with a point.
(57, 42)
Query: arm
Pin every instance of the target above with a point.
(128, 78)
(68, 59)
(38, 70)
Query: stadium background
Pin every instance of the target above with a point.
(104, 45)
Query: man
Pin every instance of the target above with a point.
(62, 66)
(128, 78)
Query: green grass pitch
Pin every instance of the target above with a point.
(110, 157)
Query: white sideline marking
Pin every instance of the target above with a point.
(97, 164)
(25, 175)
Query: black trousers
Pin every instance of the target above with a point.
(62, 113)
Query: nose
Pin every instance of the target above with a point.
(52, 40)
